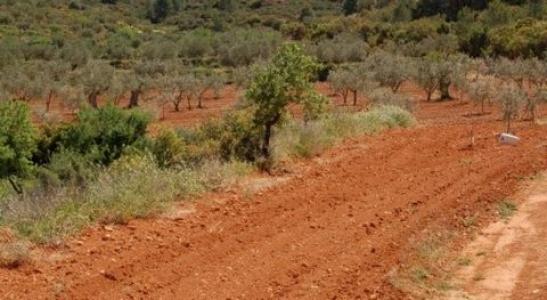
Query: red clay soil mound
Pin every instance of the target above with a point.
(334, 231)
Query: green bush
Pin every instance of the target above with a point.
(70, 167)
(234, 137)
(525, 38)
(17, 141)
(168, 148)
(101, 135)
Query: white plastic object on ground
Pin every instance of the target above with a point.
(509, 139)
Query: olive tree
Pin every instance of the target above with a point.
(389, 70)
(141, 77)
(72, 96)
(165, 95)
(536, 76)
(95, 78)
(426, 75)
(352, 81)
(184, 87)
(533, 100)
(341, 82)
(510, 98)
(17, 83)
(451, 71)
(480, 91)
(241, 77)
(205, 83)
(511, 70)
(53, 79)
(528, 75)
(76, 54)
(286, 79)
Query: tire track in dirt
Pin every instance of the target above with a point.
(335, 231)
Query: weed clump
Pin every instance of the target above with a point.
(307, 139)
(13, 254)
(506, 209)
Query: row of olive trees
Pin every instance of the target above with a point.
(382, 69)
(380, 76)
(97, 79)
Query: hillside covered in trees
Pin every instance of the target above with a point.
(234, 33)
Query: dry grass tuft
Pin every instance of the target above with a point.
(14, 254)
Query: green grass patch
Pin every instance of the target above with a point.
(132, 187)
(307, 139)
(506, 209)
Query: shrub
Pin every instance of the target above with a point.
(68, 166)
(133, 186)
(234, 137)
(299, 139)
(100, 135)
(17, 142)
(168, 148)
(385, 96)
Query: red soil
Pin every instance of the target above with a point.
(335, 230)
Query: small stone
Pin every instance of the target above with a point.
(108, 275)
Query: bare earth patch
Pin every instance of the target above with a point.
(509, 258)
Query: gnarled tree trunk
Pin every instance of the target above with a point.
(444, 86)
(48, 100)
(134, 99)
(93, 99)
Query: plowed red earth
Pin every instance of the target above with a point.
(333, 231)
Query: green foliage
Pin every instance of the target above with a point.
(168, 148)
(159, 10)
(350, 7)
(101, 134)
(426, 75)
(448, 8)
(511, 99)
(67, 167)
(525, 38)
(307, 139)
(389, 70)
(17, 141)
(506, 209)
(385, 96)
(287, 79)
(234, 137)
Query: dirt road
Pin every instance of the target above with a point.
(513, 260)
(333, 231)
